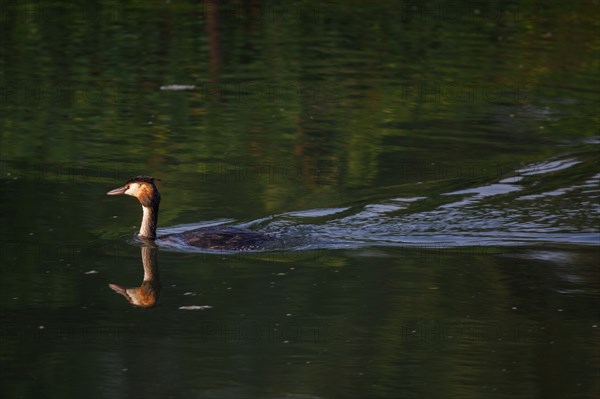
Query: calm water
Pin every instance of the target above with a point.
(433, 168)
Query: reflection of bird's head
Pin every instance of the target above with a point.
(141, 187)
(145, 296)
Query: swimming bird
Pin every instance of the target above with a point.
(215, 237)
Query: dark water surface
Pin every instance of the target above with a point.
(432, 168)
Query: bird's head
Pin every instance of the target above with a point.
(142, 188)
(145, 296)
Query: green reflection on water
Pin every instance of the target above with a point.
(292, 108)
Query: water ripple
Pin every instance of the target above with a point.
(489, 214)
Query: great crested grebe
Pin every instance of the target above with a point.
(216, 237)
(146, 295)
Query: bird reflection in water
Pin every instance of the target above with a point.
(146, 295)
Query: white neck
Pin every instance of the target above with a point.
(150, 263)
(149, 220)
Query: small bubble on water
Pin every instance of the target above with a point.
(195, 307)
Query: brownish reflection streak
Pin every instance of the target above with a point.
(146, 295)
(157, 144)
(212, 29)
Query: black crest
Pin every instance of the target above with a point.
(142, 179)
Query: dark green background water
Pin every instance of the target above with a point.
(434, 164)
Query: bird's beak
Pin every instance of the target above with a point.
(117, 191)
(120, 290)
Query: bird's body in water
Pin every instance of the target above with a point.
(216, 237)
